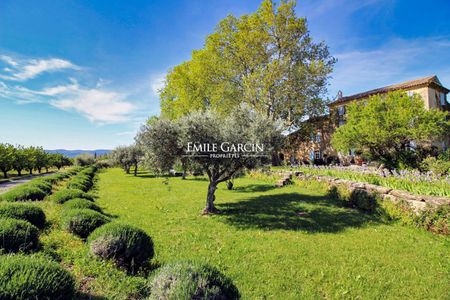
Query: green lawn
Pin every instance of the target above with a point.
(287, 243)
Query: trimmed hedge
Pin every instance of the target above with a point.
(23, 193)
(23, 211)
(80, 182)
(82, 222)
(18, 235)
(189, 280)
(126, 245)
(41, 184)
(80, 203)
(33, 277)
(67, 194)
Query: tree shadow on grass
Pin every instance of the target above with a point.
(254, 188)
(294, 211)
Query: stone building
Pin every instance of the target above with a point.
(313, 141)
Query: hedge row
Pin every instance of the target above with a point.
(36, 189)
(29, 277)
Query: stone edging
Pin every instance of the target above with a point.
(417, 202)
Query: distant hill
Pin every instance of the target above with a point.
(73, 153)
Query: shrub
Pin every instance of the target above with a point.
(67, 194)
(436, 220)
(83, 221)
(127, 246)
(82, 182)
(41, 184)
(33, 277)
(24, 211)
(17, 235)
(363, 200)
(23, 193)
(188, 280)
(79, 203)
(440, 167)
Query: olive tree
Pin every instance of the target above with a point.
(6, 158)
(214, 142)
(127, 157)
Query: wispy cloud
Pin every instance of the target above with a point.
(25, 69)
(157, 83)
(395, 61)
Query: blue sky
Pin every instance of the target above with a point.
(84, 74)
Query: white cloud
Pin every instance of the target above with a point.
(97, 105)
(396, 61)
(157, 83)
(24, 69)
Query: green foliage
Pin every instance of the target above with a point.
(84, 160)
(80, 182)
(266, 59)
(383, 126)
(80, 203)
(436, 220)
(126, 245)
(34, 277)
(363, 200)
(17, 235)
(24, 211)
(127, 157)
(440, 167)
(64, 195)
(24, 193)
(190, 280)
(416, 186)
(41, 184)
(167, 141)
(82, 222)
(6, 158)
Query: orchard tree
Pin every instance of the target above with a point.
(384, 126)
(59, 160)
(19, 159)
(41, 159)
(207, 128)
(6, 158)
(127, 157)
(267, 60)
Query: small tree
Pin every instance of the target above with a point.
(30, 159)
(41, 159)
(19, 159)
(384, 126)
(127, 157)
(84, 159)
(206, 129)
(6, 158)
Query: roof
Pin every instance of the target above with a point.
(432, 81)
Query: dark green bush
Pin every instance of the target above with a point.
(34, 277)
(81, 182)
(188, 280)
(126, 245)
(67, 194)
(23, 193)
(79, 203)
(363, 200)
(82, 222)
(24, 211)
(17, 235)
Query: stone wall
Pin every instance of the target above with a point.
(417, 202)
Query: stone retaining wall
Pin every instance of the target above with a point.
(417, 202)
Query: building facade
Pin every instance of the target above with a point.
(312, 143)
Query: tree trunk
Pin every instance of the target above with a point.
(19, 172)
(135, 169)
(31, 171)
(210, 208)
(127, 170)
(5, 174)
(39, 170)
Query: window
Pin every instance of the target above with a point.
(442, 98)
(341, 110)
(317, 155)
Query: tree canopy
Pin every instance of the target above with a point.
(267, 60)
(385, 126)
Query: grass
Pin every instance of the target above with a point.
(418, 187)
(286, 243)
